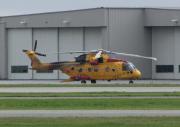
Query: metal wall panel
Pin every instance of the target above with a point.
(19, 39)
(127, 34)
(3, 52)
(161, 17)
(78, 18)
(93, 38)
(163, 48)
(177, 52)
(70, 39)
(47, 43)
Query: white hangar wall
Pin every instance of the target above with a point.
(148, 32)
(50, 40)
(166, 47)
(3, 52)
(127, 34)
(18, 64)
(165, 42)
(55, 32)
(118, 29)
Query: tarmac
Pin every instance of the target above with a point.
(45, 81)
(86, 89)
(87, 113)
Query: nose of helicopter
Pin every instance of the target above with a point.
(137, 74)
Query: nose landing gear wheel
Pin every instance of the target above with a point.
(131, 82)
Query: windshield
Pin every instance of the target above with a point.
(128, 67)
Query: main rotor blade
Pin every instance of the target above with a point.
(133, 55)
(73, 52)
(35, 45)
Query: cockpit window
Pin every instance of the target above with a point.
(132, 66)
(128, 67)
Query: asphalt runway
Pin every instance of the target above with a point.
(98, 82)
(87, 113)
(86, 89)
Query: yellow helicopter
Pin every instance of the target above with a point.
(90, 65)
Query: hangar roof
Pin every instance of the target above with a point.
(158, 8)
(93, 17)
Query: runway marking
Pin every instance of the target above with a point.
(86, 89)
(87, 113)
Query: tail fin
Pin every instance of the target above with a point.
(35, 62)
(32, 54)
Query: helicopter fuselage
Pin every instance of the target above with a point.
(101, 71)
(86, 67)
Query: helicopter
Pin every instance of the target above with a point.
(90, 65)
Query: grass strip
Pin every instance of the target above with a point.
(92, 94)
(92, 122)
(101, 104)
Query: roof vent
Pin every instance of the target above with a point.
(175, 21)
(23, 22)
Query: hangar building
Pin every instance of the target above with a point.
(144, 31)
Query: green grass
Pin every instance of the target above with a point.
(90, 104)
(93, 94)
(92, 122)
(90, 85)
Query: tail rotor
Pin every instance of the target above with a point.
(34, 50)
(35, 46)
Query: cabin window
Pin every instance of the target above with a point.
(44, 71)
(89, 69)
(95, 70)
(19, 69)
(81, 58)
(164, 68)
(125, 67)
(80, 70)
(107, 69)
(100, 60)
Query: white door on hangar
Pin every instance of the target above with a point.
(93, 38)
(163, 49)
(176, 52)
(70, 39)
(18, 62)
(47, 42)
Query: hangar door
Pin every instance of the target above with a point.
(165, 46)
(177, 52)
(47, 43)
(18, 63)
(93, 38)
(70, 39)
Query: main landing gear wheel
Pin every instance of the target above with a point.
(131, 82)
(93, 81)
(83, 82)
